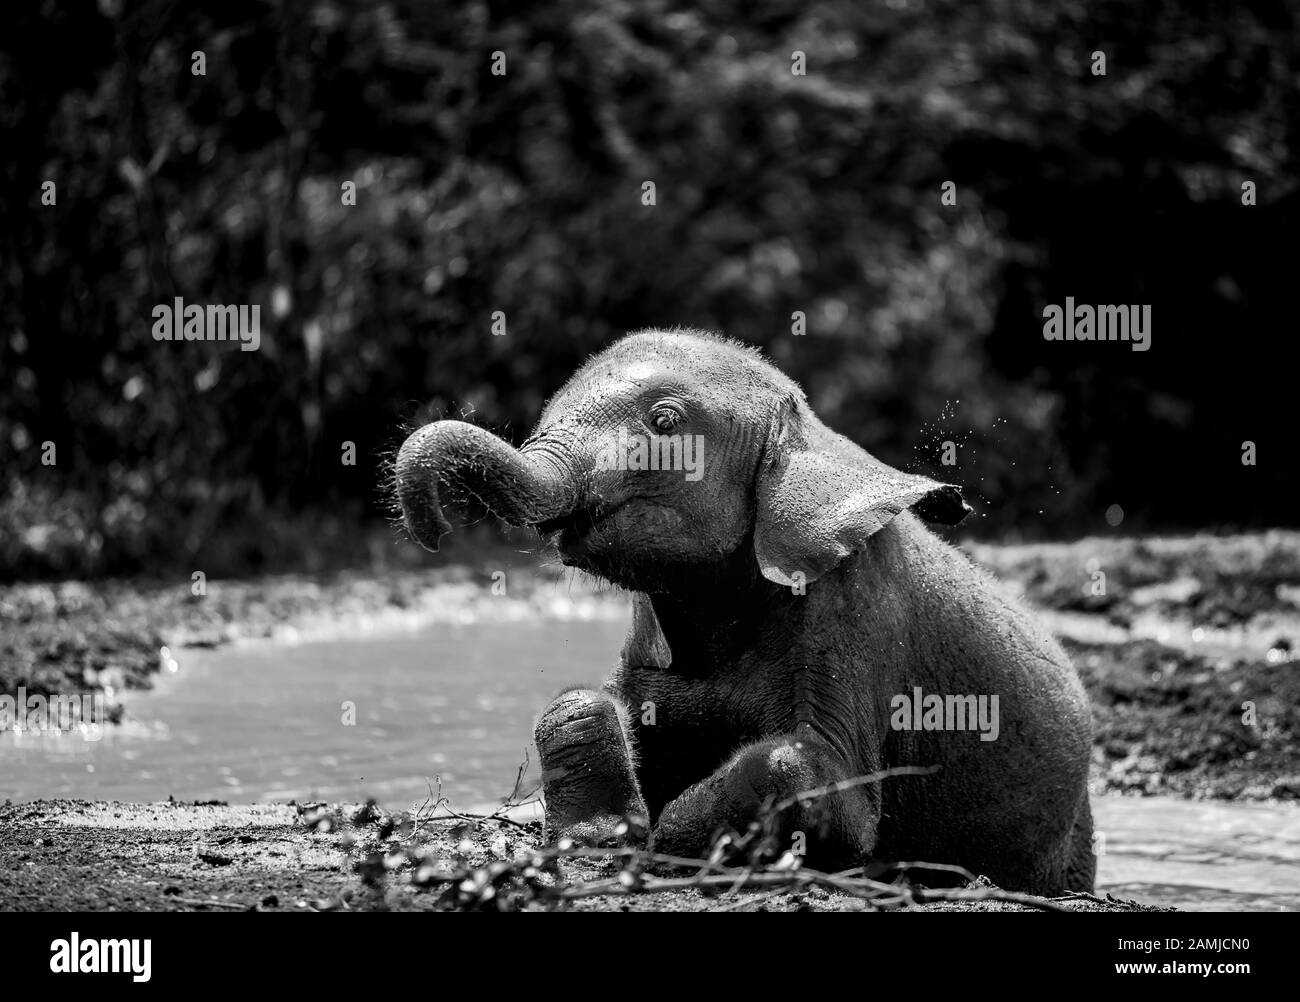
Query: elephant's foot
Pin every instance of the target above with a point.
(588, 777)
(837, 829)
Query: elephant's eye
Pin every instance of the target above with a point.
(665, 417)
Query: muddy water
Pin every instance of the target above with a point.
(384, 718)
(1200, 855)
(392, 717)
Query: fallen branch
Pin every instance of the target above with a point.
(536, 875)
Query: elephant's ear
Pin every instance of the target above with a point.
(820, 497)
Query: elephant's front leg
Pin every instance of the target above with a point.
(588, 772)
(838, 829)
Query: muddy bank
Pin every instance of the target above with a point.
(1215, 581)
(79, 855)
(1189, 651)
(1166, 721)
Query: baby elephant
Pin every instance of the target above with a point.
(795, 627)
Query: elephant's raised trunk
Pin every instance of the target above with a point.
(519, 488)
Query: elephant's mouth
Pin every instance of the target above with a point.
(580, 522)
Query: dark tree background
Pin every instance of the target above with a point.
(521, 193)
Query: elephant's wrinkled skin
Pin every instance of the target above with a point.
(754, 689)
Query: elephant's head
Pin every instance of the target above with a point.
(670, 452)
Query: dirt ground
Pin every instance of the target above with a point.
(1187, 647)
(72, 855)
(1190, 652)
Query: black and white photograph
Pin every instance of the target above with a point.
(600, 456)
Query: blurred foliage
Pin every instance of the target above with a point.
(521, 193)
